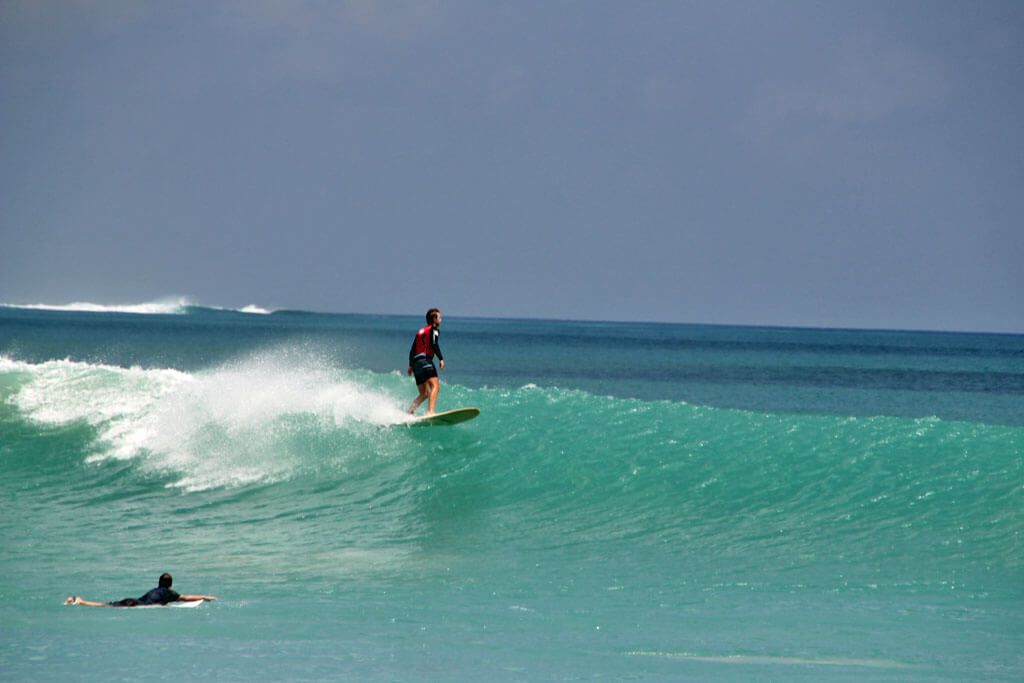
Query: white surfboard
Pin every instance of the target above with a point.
(176, 603)
(448, 417)
(186, 603)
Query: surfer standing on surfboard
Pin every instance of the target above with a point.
(421, 362)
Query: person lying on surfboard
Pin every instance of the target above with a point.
(421, 362)
(161, 595)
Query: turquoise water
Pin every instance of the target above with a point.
(635, 500)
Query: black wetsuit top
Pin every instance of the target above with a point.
(161, 595)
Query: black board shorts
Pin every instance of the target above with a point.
(423, 369)
(127, 602)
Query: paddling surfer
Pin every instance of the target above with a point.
(421, 362)
(161, 595)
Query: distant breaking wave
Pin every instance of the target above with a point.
(253, 308)
(169, 306)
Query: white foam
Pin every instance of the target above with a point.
(65, 391)
(232, 425)
(168, 306)
(253, 308)
(171, 305)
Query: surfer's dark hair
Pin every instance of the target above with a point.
(431, 314)
(165, 580)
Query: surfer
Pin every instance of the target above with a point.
(421, 362)
(161, 595)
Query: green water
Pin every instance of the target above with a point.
(770, 504)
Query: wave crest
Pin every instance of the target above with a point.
(252, 421)
(169, 306)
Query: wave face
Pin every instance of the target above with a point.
(563, 467)
(610, 531)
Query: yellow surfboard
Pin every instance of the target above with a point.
(448, 417)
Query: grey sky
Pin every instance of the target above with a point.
(840, 164)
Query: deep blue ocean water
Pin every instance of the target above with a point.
(636, 500)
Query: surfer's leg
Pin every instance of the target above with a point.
(79, 601)
(127, 602)
(426, 381)
(421, 398)
(434, 386)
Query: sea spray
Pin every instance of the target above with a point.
(231, 424)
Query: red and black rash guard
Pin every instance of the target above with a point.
(425, 344)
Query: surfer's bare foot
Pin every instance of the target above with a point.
(72, 600)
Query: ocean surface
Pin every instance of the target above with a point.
(635, 501)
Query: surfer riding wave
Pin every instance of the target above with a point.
(421, 362)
